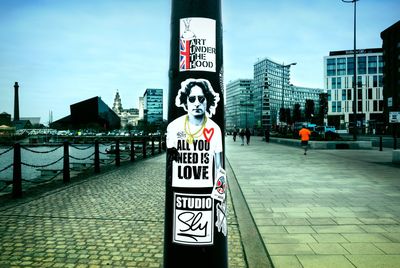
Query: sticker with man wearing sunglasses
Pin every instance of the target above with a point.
(195, 137)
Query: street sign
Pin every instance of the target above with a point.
(394, 117)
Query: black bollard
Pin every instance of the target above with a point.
(117, 154)
(195, 224)
(96, 157)
(380, 143)
(17, 174)
(159, 144)
(66, 173)
(132, 151)
(152, 146)
(144, 147)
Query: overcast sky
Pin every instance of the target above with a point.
(63, 52)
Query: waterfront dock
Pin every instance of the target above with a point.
(331, 208)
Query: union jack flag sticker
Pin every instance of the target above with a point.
(184, 49)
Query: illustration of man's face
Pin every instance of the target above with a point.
(196, 102)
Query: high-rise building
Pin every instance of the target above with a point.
(273, 91)
(391, 70)
(239, 107)
(338, 81)
(153, 105)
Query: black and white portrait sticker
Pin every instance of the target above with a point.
(193, 219)
(195, 136)
(197, 44)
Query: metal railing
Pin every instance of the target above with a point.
(126, 151)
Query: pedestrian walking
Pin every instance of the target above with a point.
(234, 134)
(267, 135)
(248, 134)
(304, 134)
(241, 135)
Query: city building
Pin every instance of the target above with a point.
(129, 117)
(391, 70)
(273, 91)
(239, 107)
(92, 113)
(153, 105)
(338, 82)
(299, 95)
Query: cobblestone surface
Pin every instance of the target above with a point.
(113, 219)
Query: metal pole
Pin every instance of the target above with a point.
(17, 174)
(355, 76)
(96, 157)
(144, 147)
(195, 233)
(117, 154)
(132, 150)
(66, 173)
(380, 143)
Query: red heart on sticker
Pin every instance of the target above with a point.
(208, 133)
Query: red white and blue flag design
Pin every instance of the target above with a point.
(184, 51)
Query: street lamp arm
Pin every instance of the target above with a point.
(350, 1)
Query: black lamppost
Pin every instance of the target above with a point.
(355, 71)
(282, 110)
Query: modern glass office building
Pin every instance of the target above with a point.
(338, 81)
(273, 90)
(153, 105)
(239, 106)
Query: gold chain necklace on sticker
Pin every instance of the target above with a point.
(198, 133)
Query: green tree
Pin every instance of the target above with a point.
(282, 115)
(296, 113)
(309, 110)
(323, 108)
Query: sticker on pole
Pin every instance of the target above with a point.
(197, 44)
(193, 219)
(195, 137)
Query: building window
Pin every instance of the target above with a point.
(370, 93)
(329, 95)
(350, 66)
(375, 81)
(339, 107)
(359, 81)
(380, 81)
(333, 106)
(375, 106)
(331, 67)
(344, 91)
(359, 106)
(380, 64)
(349, 94)
(372, 65)
(339, 83)
(381, 105)
(362, 65)
(359, 93)
(333, 83)
(341, 66)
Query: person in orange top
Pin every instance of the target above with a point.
(304, 134)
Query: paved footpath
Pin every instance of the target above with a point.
(330, 208)
(110, 220)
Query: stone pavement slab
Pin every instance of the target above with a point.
(114, 219)
(330, 208)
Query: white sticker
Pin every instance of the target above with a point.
(197, 44)
(193, 219)
(195, 137)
